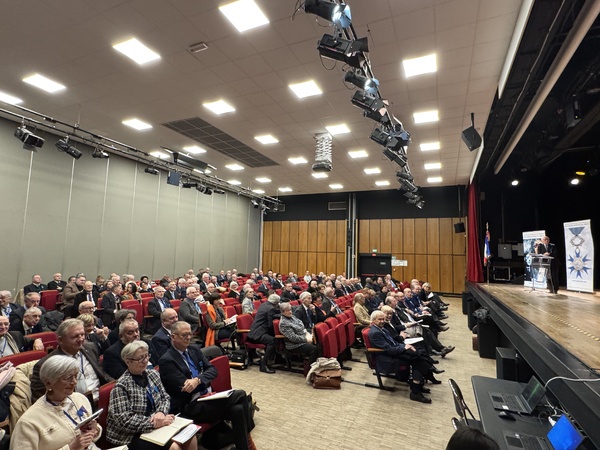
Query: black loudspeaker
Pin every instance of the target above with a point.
(459, 227)
(471, 138)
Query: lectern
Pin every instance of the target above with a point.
(540, 266)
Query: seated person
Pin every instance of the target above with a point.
(110, 302)
(262, 331)
(35, 286)
(219, 327)
(288, 294)
(30, 323)
(114, 366)
(155, 308)
(234, 291)
(57, 283)
(6, 306)
(131, 292)
(248, 301)
(13, 342)
(297, 339)
(161, 341)
(17, 314)
(189, 309)
(187, 374)
(121, 315)
(306, 312)
(93, 334)
(87, 294)
(49, 424)
(416, 310)
(362, 314)
(139, 403)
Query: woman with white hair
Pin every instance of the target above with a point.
(51, 422)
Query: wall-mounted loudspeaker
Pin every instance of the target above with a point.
(471, 138)
(459, 227)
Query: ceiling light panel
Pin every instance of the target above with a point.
(258, 191)
(136, 51)
(219, 107)
(244, 15)
(44, 83)
(11, 100)
(266, 139)
(263, 180)
(341, 128)
(419, 66)
(297, 160)
(382, 183)
(285, 189)
(358, 154)
(372, 170)
(429, 146)
(434, 179)
(159, 154)
(306, 89)
(426, 116)
(234, 182)
(336, 186)
(234, 167)
(433, 166)
(194, 149)
(137, 124)
(319, 175)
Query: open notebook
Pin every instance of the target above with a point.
(161, 436)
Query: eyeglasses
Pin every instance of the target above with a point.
(141, 358)
(70, 379)
(184, 335)
(4, 325)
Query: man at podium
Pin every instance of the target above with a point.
(545, 248)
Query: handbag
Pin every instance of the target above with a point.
(238, 359)
(327, 379)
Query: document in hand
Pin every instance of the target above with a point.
(162, 435)
(186, 434)
(413, 340)
(216, 396)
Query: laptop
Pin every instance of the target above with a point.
(562, 436)
(523, 403)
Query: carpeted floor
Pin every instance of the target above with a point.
(295, 416)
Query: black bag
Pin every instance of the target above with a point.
(219, 436)
(238, 359)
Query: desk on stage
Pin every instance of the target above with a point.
(492, 424)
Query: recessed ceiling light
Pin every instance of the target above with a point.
(319, 175)
(433, 166)
(7, 98)
(263, 180)
(219, 107)
(235, 182)
(306, 89)
(382, 183)
(434, 179)
(336, 186)
(426, 116)
(372, 170)
(285, 189)
(136, 51)
(244, 15)
(137, 124)
(159, 154)
(580, 173)
(341, 128)
(234, 167)
(358, 154)
(258, 191)
(514, 183)
(194, 149)
(575, 181)
(266, 139)
(418, 66)
(297, 160)
(428, 146)
(44, 83)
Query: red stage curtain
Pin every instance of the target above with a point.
(474, 255)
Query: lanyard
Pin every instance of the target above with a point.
(80, 412)
(3, 347)
(81, 360)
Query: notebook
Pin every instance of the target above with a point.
(162, 435)
(523, 403)
(562, 436)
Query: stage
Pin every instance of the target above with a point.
(571, 319)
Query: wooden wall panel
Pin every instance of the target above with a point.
(321, 262)
(276, 236)
(433, 270)
(293, 237)
(459, 273)
(386, 236)
(321, 236)
(397, 237)
(446, 236)
(302, 264)
(302, 236)
(410, 269)
(284, 263)
(268, 236)
(312, 236)
(409, 235)
(340, 263)
(459, 243)
(341, 236)
(420, 267)
(398, 273)
(293, 264)
(266, 259)
(421, 236)
(311, 262)
(285, 237)
(331, 237)
(363, 236)
(332, 263)
(275, 259)
(375, 235)
(446, 275)
(433, 236)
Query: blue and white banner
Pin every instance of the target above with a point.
(530, 238)
(579, 249)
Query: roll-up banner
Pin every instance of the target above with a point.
(579, 253)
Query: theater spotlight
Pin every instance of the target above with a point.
(421, 204)
(189, 185)
(254, 203)
(410, 195)
(337, 13)
(369, 85)
(404, 176)
(204, 189)
(219, 191)
(399, 156)
(97, 153)
(64, 146)
(151, 170)
(394, 140)
(375, 108)
(338, 49)
(30, 141)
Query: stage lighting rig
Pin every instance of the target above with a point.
(188, 185)
(374, 107)
(393, 140)
(337, 13)
(369, 85)
(338, 49)
(99, 153)
(404, 176)
(151, 170)
(64, 146)
(30, 141)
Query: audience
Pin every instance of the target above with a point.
(189, 309)
(262, 330)
(13, 342)
(35, 286)
(297, 339)
(57, 283)
(156, 306)
(161, 341)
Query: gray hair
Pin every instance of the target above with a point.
(305, 294)
(177, 325)
(273, 299)
(285, 306)
(66, 325)
(122, 313)
(375, 314)
(165, 313)
(233, 284)
(130, 349)
(124, 324)
(57, 366)
(32, 310)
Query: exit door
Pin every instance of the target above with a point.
(374, 265)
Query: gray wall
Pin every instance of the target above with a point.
(101, 216)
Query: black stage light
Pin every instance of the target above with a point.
(64, 146)
(410, 194)
(404, 176)
(98, 153)
(254, 203)
(394, 140)
(375, 108)
(204, 189)
(338, 49)
(399, 156)
(30, 141)
(151, 170)
(421, 204)
(337, 13)
(219, 191)
(189, 185)
(369, 85)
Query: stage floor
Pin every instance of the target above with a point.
(571, 319)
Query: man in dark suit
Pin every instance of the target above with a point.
(181, 288)
(32, 300)
(548, 249)
(306, 312)
(264, 287)
(30, 323)
(129, 331)
(262, 330)
(155, 308)
(109, 305)
(187, 374)
(35, 286)
(57, 283)
(329, 301)
(13, 342)
(204, 282)
(71, 342)
(171, 291)
(70, 291)
(6, 306)
(161, 341)
(288, 293)
(88, 294)
(189, 310)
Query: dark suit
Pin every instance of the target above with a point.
(24, 344)
(328, 303)
(203, 286)
(174, 371)
(81, 297)
(161, 341)
(262, 330)
(339, 293)
(189, 313)
(264, 289)
(13, 307)
(289, 295)
(16, 318)
(88, 351)
(56, 285)
(18, 326)
(551, 250)
(112, 363)
(101, 346)
(171, 295)
(109, 306)
(33, 288)
(302, 314)
(155, 310)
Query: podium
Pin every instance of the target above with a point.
(540, 266)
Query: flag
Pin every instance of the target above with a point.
(486, 248)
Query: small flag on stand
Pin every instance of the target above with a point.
(486, 248)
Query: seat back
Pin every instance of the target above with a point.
(229, 311)
(145, 301)
(48, 299)
(330, 348)
(223, 380)
(175, 303)
(238, 308)
(331, 322)
(49, 339)
(231, 301)
(244, 323)
(24, 357)
(351, 315)
(459, 403)
(350, 335)
(340, 333)
(341, 318)
(103, 401)
(137, 307)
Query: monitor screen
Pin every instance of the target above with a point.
(564, 435)
(533, 392)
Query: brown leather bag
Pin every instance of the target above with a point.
(327, 379)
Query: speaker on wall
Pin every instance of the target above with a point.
(471, 138)
(459, 227)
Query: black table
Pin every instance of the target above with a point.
(495, 426)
